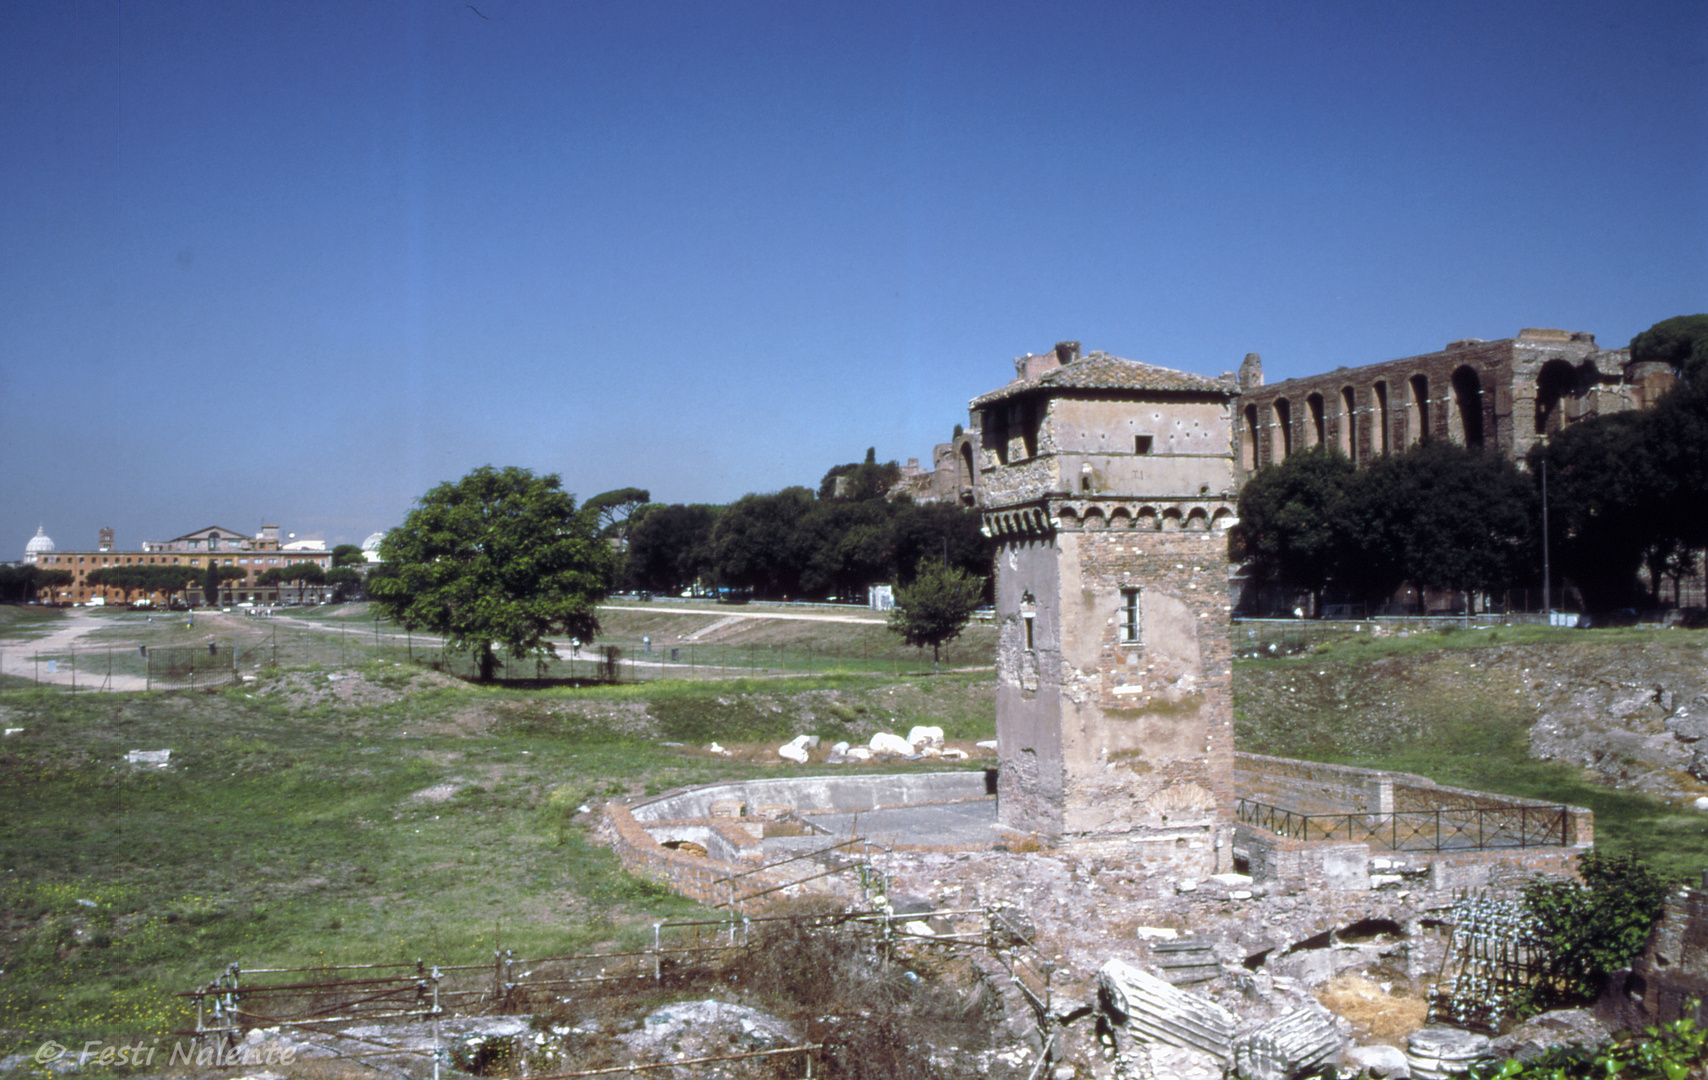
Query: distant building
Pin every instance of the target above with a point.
(371, 547)
(1505, 395)
(210, 545)
(40, 544)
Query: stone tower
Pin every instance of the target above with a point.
(1108, 486)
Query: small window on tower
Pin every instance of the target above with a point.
(1027, 621)
(1141, 444)
(1129, 620)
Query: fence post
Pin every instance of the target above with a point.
(657, 955)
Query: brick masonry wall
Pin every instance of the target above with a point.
(709, 881)
(1318, 788)
(1670, 980)
(1504, 410)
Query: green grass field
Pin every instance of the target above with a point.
(433, 819)
(292, 835)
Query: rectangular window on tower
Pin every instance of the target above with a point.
(1131, 630)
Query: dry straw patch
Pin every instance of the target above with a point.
(1372, 1010)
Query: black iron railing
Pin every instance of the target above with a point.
(1458, 828)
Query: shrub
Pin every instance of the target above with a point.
(1595, 927)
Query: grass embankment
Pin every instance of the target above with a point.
(1458, 708)
(416, 818)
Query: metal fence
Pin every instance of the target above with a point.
(328, 1001)
(229, 656)
(1472, 828)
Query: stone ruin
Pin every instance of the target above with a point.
(1117, 796)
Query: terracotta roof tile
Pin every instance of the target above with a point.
(1100, 371)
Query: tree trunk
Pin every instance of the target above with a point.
(488, 663)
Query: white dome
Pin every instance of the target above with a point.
(372, 543)
(39, 543)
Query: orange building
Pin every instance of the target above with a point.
(213, 545)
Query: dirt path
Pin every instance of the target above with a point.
(800, 616)
(19, 657)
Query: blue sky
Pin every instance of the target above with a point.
(298, 263)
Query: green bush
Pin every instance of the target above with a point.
(1675, 1051)
(1596, 927)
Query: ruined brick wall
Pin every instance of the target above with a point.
(1346, 866)
(1310, 787)
(1306, 864)
(694, 876)
(1502, 394)
(1670, 980)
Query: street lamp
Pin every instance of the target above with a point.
(1547, 575)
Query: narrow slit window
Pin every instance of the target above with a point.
(1129, 621)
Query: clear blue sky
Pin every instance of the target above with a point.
(299, 262)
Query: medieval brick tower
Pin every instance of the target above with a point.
(1108, 486)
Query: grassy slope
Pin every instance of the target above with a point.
(1452, 707)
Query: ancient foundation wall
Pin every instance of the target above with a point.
(1310, 787)
(811, 794)
(708, 880)
(1670, 980)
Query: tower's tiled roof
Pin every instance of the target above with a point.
(1100, 371)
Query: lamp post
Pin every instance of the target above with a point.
(1547, 575)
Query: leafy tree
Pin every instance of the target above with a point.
(1438, 515)
(941, 531)
(1287, 520)
(501, 557)
(1467, 516)
(1600, 509)
(615, 509)
(756, 543)
(20, 584)
(213, 576)
(1675, 444)
(935, 608)
(1681, 343)
(348, 555)
(1595, 927)
(847, 547)
(867, 480)
(346, 582)
(167, 580)
(303, 573)
(670, 547)
(1625, 490)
